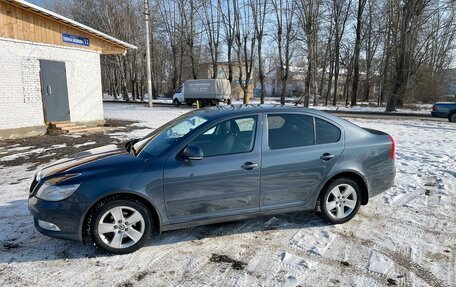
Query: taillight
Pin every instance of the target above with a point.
(393, 148)
(434, 107)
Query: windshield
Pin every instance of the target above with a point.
(167, 135)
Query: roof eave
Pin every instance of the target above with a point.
(106, 37)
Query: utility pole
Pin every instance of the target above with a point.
(149, 72)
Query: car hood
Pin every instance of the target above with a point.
(81, 159)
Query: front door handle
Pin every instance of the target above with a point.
(49, 89)
(327, 156)
(249, 165)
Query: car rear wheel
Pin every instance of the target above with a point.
(121, 226)
(340, 201)
(452, 118)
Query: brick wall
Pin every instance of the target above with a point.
(20, 89)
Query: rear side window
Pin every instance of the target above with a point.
(326, 132)
(289, 130)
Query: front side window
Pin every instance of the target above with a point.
(228, 137)
(326, 132)
(168, 135)
(290, 130)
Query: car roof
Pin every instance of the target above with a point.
(217, 112)
(227, 110)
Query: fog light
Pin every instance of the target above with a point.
(48, 226)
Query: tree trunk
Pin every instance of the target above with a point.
(330, 82)
(354, 93)
(261, 75)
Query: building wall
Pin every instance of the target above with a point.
(21, 103)
(273, 88)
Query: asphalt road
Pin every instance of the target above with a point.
(386, 116)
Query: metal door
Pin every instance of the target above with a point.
(216, 186)
(55, 91)
(290, 176)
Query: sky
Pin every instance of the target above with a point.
(36, 2)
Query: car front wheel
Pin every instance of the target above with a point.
(340, 201)
(121, 226)
(176, 102)
(452, 118)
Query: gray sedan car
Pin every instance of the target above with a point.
(213, 165)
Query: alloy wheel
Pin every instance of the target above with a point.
(341, 201)
(121, 227)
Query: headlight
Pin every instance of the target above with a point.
(51, 192)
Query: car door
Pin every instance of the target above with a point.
(293, 164)
(225, 182)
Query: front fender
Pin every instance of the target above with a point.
(159, 208)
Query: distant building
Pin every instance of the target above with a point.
(273, 83)
(205, 71)
(296, 83)
(50, 69)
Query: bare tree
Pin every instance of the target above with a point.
(341, 12)
(359, 21)
(372, 41)
(308, 12)
(284, 36)
(403, 47)
(228, 21)
(245, 40)
(188, 10)
(212, 22)
(170, 22)
(259, 12)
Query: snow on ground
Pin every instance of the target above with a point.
(404, 237)
(424, 109)
(361, 107)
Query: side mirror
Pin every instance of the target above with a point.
(192, 153)
(130, 143)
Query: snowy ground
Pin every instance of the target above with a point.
(424, 109)
(404, 237)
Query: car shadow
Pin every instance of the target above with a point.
(21, 242)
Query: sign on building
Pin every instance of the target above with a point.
(77, 40)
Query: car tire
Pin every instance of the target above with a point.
(340, 201)
(111, 230)
(176, 102)
(452, 117)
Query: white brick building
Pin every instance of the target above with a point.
(50, 72)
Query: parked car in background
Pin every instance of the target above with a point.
(208, 92)
(204, 167)
(445, 110)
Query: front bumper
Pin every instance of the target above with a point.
(68, 216)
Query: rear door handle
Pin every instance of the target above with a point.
(327, 156)
(249, 165)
